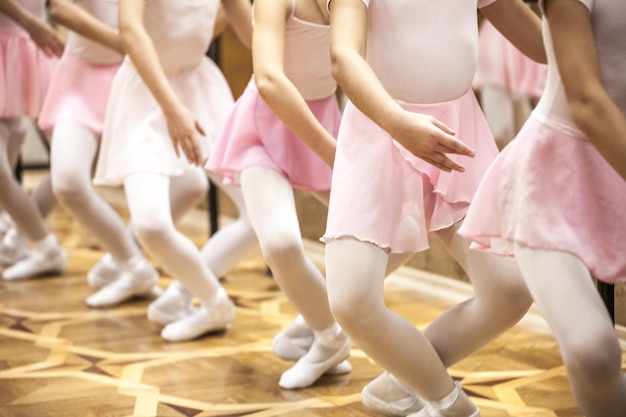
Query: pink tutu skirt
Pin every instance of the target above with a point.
(384, 195)
(255, 136)
(78, 94)
(25, 73)
(135, 137)
(551, 189)
(502, 65)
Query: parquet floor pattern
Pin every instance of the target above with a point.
(58, 358)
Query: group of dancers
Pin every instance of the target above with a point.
(409, 157)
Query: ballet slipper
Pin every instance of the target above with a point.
(104, 272)
(13, 247)
(295, 341)
(39, 263)
(455, 404)
(138, 282)
(330, 348)
(173, 305)
(388, 396)
(210, 317)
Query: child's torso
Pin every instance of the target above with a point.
(423, 51)
(307, 53)
(105, 11)
(181, 31)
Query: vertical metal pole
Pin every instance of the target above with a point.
(607, 292)
(214, 54)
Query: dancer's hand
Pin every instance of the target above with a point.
(45, 38)
(184, 129)
(429, 139)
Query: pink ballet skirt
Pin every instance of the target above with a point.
(502, 65)
(384, 195)
(135, 137)
(25, 73)
(255, 136)
(78, 93)
(551, 189)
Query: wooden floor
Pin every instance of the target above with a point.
(59, 358)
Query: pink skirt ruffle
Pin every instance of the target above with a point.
(384, 195)
(25, 73)
(502, 65)
(551, 189)
(255, 136)
(78, 93)
(135, 137)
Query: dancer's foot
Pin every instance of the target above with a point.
(173, 305)
(295, 341)
(13, 247)
(455, 404)
(51, 261)
(212, 316)
(104, 272)
(386, 395)
(139, 281)
(5, 223)
(330, 348)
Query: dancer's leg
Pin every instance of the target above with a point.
(271, 207)
(73, 150)
(355, 273)
(564, 292)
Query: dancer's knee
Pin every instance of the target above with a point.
(354, 310)
(152, 234)
(70, 189)
(281, 249)
(595, 358)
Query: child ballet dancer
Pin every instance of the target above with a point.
(508, 82)
(411, 150)
(26, 70)
(280, 136)
(166, 103)
(74, 110)
(556, 197)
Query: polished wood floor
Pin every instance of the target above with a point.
(59, 358)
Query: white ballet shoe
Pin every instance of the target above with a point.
(13, 247)
(388, 396)
(295, 341)
(104, 272)
(173, 305)
(330, 348)
(450, 406)
(39, 263)
(214, 317)
(5, 224)
(140, 282)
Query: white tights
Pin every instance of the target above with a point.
(27, 211)
(231, 243)
(355, 274)
(564, 292)
(73, 150)
(271, 207)
(148, 198)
